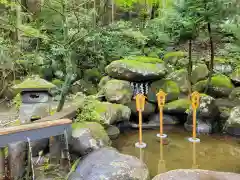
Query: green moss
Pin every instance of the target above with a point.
(34, 83)
(218, 80)
(146, 59)
(220, 60)
(175, 54)
(97, 130)
(139, 65)
(180, 103)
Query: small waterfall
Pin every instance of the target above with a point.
(30, 159)
(140, 88)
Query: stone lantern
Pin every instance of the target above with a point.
(36, 99)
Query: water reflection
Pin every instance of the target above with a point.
(194, 156)
(161, 162)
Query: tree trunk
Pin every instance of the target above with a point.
(113, 10)
(189, 66)
(212, 57)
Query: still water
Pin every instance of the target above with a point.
(215, 152)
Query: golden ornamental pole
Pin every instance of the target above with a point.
(161, 96)
(140, 102)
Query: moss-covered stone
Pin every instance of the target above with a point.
(57, 82)
(181, 78)
(173, 57)
(168, 86)
(235, 76)
(220, 86)
(103, 81)
(93, 75)
(34, 83)
(97, 130)
(200, 72)
(136, 70)
(118, 91)
(102, 112)
(235, 94)
(222, 65)
(146, 59)
(177, 106)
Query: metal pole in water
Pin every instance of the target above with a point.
(140, 102)
(195, 98)
(161, 101)
(161, 163)
(194, 165)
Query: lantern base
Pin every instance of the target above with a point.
(141, 146)
(162, 136)
(196, 140)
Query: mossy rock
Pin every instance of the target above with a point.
(222, 66)
(220, 86)
(168, 86)
(200, 72)
(235, 76)
(140, 69)
(103, 112)
(181, 78)
(97, 130)
(34, 83)
(173, 57)
(177, 106)
(103, 81)
(118, 91)
(235, 94)
(149, 108)
(234, 119)
(93, 75)
(146, 59)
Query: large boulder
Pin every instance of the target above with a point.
(168, 86)
(177, 106)
(235, 76)
(149, 108)
(103, 112)
(196, 174)
(235, 94)
(118, 91)
(181, 78)
(199, 72)
(108, 163)
(232, 125)
(137, 69)
(88, 136)
(220, 86)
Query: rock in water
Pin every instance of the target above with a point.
(87, 137)
(17, 159)
(108, 163)
(233, 123)
(196, 174)
(167, 120)
(137, 70)
(202, 126)
(118, 91)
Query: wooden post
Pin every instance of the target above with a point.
(2, 164)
